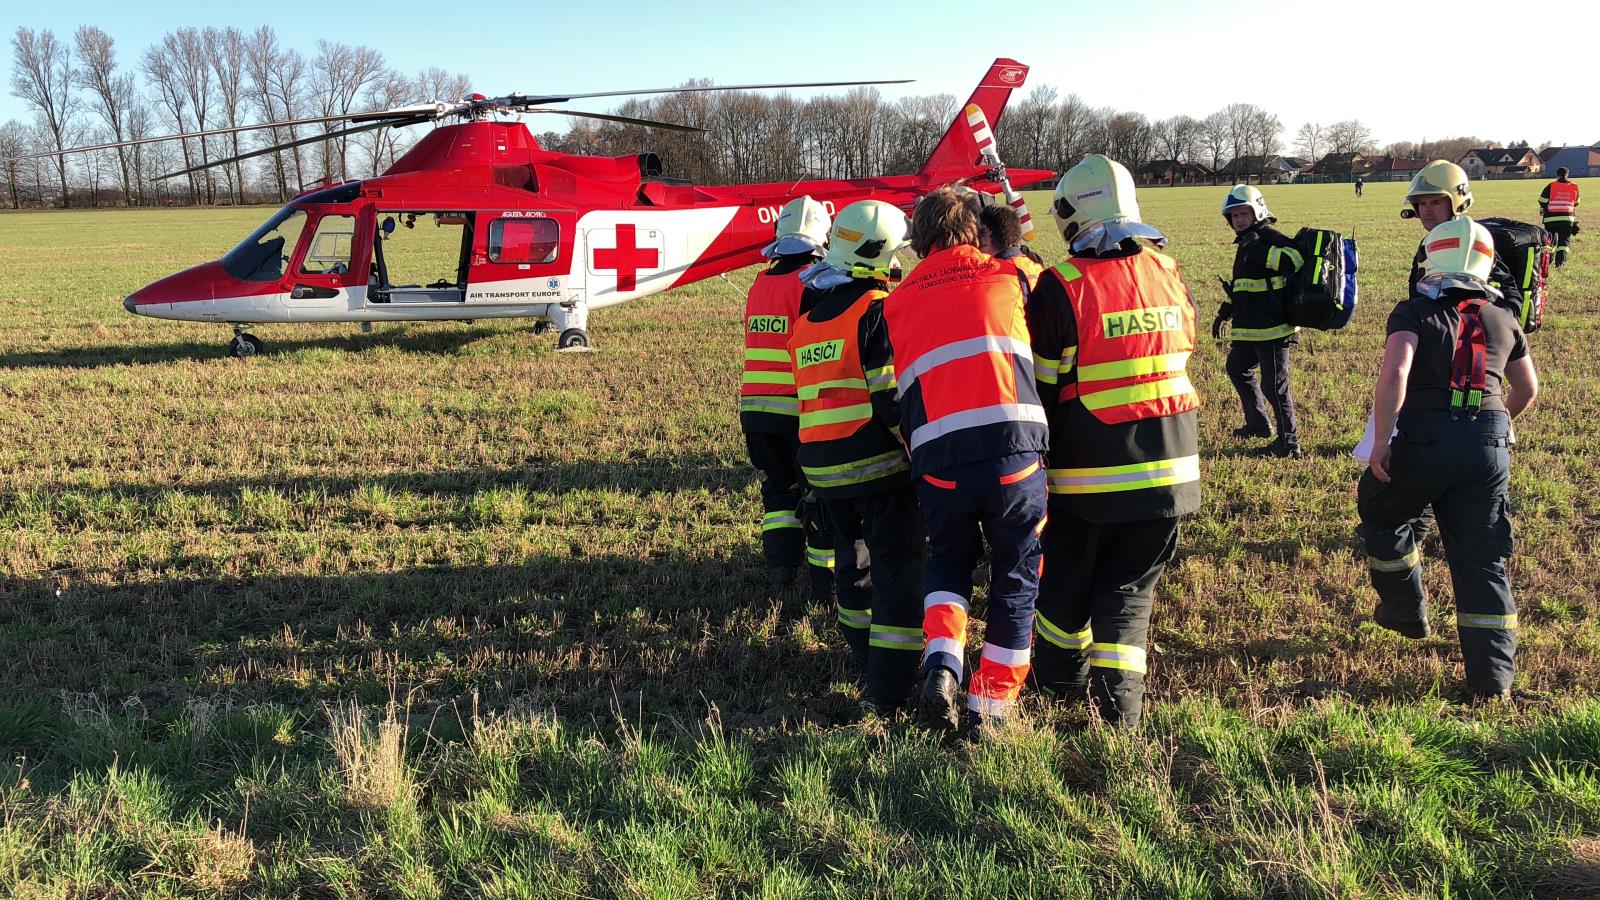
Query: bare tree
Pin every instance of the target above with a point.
(1214, 138)
(434, 83)
(339, 74)
(162, 70)
(389, 90)
(1129, 139)
(1350, 136)
(1309, 141)
(1178, 137)
(42, 76)
(13, 144)
(226, 47)
(1024, 141)
(112, 93)
(1451, 148)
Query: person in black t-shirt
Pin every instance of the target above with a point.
(1449, 357)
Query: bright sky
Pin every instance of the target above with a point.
(1162, 57)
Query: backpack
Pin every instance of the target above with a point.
(1324, 291)
(1526, 250)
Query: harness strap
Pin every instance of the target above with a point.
(1469, 374)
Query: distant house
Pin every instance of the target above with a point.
(1171, 171)
(1505, 162)
(1581, 162)
(1244, 168)
(1394, 168)
(1342, 166)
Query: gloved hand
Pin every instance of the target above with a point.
(1224, 313)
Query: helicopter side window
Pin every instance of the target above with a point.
(524, 240)
(264, 255)
(329, 253)
(423, 257)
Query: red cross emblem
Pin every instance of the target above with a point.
(627, 258)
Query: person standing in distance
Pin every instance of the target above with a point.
(1265, 264)
(1558, 206)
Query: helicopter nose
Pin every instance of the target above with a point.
(127, 304)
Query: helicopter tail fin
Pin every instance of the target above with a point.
(957, 152)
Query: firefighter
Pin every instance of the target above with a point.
(850, 449)
(1450, 356)
(1558, 204)
(1440, 191)
(768, 411)
(971, 417)
(1113, 328)
(1264, 266)
(1000, 236)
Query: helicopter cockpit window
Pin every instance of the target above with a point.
(264, 255)
(329, 253)
(523, 240)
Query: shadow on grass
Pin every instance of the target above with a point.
(430, 341)
(657, 637)
(646, 474)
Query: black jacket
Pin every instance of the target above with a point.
(1264, 266)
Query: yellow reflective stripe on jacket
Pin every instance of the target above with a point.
(759, 377)
(856, 412)
(1481, 620)
(1126, 657)
(1263, 334)
(759, 354)
(1133, 368)
(1066, 640)
(1131, 477)
(1175, 386)
(1276, 255)
(777, 406)
(813, 391)
(1403, 564)
(1046, 370)
(1259, 285)
(881, 379)
(857, 472)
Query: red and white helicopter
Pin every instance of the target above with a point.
(478, 221)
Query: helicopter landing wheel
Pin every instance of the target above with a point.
(573, 339)
(244, 345)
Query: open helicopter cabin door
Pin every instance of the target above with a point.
(421, 256)
(522, 257)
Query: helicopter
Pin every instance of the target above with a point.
(478, 221)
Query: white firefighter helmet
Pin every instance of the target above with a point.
(1441, 178)
(1459, 246)
(1097, 189)
(865, 237)
(802, 227)
(1247, 196)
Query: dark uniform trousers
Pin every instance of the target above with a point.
(792, 528)
(879, 581)
(1272, 358)
(1094, 609)
(1462, 466)
(1562, 233)
(1004, 501)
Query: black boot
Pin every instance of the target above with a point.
(1253, 431)
(937, 706)
(1281, 449)
(1414, 630)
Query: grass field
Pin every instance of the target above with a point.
(439, 612)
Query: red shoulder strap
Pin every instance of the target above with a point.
(1469, 374)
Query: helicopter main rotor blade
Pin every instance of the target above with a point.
(401, 113)
(386, 123)
(562, 98)
(627, 120)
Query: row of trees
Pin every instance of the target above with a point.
(196, 80)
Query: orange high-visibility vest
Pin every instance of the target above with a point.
(963, 355)
(1563, 199)
(835, 401)
(1029, 269)
(1135, 334)
(769, 314)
